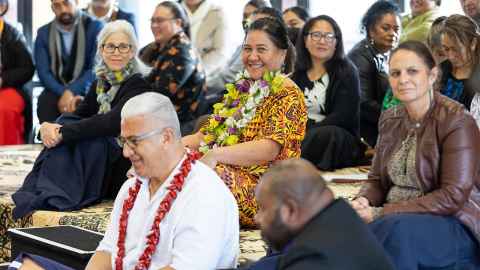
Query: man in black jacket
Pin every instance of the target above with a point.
(300, 218)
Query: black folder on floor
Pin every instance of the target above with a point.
(69, 245)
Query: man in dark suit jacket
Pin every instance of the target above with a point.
(299, 217)
(64, 53)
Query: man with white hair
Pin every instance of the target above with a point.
(176, 213)
(471, 8)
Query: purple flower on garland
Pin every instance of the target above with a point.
(243, 86)
(235, 103)
(263, 84)
(232, 130)
(218, 118)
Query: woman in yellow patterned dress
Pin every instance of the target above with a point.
(261, 119)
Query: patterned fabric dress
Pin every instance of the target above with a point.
(177, 73)
(282, 118)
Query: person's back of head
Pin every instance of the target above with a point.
(289, 195)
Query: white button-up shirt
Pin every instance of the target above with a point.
(201, 230)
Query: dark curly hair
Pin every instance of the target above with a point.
(375, 13)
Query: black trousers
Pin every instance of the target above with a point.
(47, 109)
(331, 147)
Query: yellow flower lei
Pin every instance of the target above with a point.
(238, 108)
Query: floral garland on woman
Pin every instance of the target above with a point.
(238, 108)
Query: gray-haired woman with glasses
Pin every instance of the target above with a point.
(81, 162)
(331, 87)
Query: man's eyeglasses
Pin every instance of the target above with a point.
(122, 47)
(317, 36)
(160, 20)
(133, 141)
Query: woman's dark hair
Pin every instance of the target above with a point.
(419, 48)
(304, 60)
(258, 3)
(270, 12)
(434, 35)
(277, 33)
(178, 13)
(375, 13)
(294, 34)
(299, 11)
(6, 8)
(462, 30)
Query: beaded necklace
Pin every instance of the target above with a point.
(153, 238)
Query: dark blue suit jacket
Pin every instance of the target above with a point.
(42, 60)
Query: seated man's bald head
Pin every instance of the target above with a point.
(295, 179)
(289, 195)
